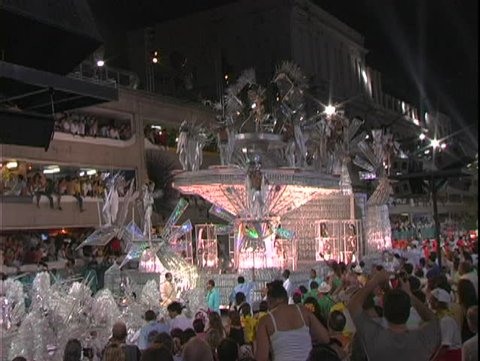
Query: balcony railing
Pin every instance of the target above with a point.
(105, 75)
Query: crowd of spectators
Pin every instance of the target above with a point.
(90, 126)
(38, 184)
(22, 248)
(355, 312)
(160, 137)
(58, 253)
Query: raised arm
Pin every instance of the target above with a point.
(318, 332)
(423, 311)
(358, 299)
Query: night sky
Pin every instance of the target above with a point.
(427, 50)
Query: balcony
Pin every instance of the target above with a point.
(452, 206)
(21, 212)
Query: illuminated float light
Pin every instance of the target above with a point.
(364, 76)
(251, 232)
(443, 145)
(422, 136)
(285, 233)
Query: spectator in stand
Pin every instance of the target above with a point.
(151, 325)
(119, 336)
(74, 190)
(114, 133)
(312, 305)
(61, 190)
(113, 352)
(467, 272)
(213, 340)
(92, 126)
(470, 347)
(66, 123)
(177, 319)
(84, 187)
(199, 328)
(313, 278)
(157, 354)
(289, 331)
(235, 329)
(73, 351)
(215, 323)
(227, 350)
(313, 292)
(451, 344)
(163, 339)
(30, 256)
(466, 299)
(325, 301)
(20, 188)
(395, 342)
(197, 350)
(104, 131)
(42, 188)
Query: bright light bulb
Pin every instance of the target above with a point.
(330, 110)
(435, 143)
(100, 63)
(422, 136)
(155, 60)
(12, 165)
(443, 145)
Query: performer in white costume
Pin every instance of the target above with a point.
(148, 201)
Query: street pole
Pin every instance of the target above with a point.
(437, 223)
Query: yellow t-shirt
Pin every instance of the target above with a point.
(249, 324)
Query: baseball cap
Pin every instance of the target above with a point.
(441, 295)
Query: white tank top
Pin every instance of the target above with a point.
(290, 345)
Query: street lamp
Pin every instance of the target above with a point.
(330, 110)
(435, 143)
